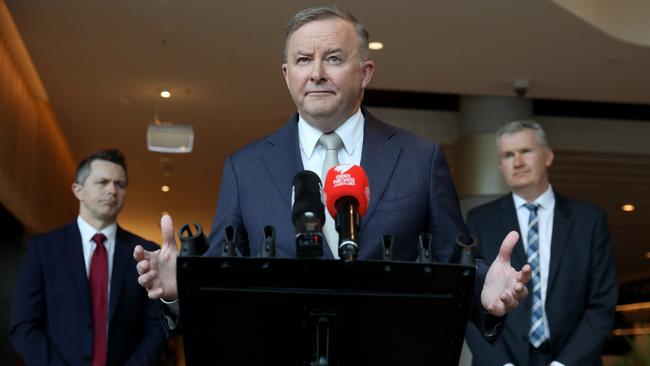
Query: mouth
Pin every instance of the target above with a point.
(319, 93)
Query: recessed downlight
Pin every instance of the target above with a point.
(165, 188)
(628, 207)
(375, 46)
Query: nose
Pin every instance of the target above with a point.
(317, 74)
(518, 160)
(111, 188)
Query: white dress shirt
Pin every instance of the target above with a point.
(545, 212)
(88, 245)
(313, 154)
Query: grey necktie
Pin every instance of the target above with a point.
(332, 143)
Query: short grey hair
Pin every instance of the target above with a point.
(325, 12)
(516, 126)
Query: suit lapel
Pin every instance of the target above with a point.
(561, 228)
(282, 158)
(121, 262)
(75, 262)
(378, 159)
(510, 222)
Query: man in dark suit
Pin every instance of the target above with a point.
(77, 301)
(327, 69)
(573, 288)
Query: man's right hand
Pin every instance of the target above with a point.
(157, 269)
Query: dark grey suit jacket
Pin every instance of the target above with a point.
(582, 286)
(411, 192)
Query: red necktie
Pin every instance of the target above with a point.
(99, 298)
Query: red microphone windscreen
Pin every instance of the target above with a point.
(346, 180)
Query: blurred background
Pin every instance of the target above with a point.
(77, 76)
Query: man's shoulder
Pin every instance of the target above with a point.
(279, 136)
(572, 206)
(490, 207)
(133, 239)
(54, 236)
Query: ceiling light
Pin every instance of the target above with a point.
(628, 207)
(164, 188)
(165, 93)
(375, 45)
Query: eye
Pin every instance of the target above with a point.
(333, 60)
(302, 60)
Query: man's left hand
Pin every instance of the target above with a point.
(504, 286)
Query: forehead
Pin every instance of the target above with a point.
(106, 169)
(518, 140)
(331, 32)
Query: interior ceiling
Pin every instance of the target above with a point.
(103, 63)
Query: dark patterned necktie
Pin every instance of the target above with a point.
(537, 333)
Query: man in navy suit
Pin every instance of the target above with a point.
(77, 301)
(573, 290)
(326, 69)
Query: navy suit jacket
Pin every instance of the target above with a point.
(411, 192)
(582, 286)
(51, 321)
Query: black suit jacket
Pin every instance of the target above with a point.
(51, 321)
(582, 286)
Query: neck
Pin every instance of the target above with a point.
(97, 224)
(532, 193)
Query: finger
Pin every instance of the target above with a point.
(167, 228)
(146, 279)
(509, 300)
(508, 244)
(139, 253)
(525, 274)
(142, 266)
(521, 293)
(155, 293)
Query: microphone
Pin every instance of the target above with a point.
(346, 196)
(308, 214)
(192, 244)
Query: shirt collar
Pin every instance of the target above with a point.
(87, 231)
(351, 132)
(545, 201)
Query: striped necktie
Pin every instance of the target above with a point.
(537, 333)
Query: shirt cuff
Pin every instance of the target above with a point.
(170, 312)
(556, 363)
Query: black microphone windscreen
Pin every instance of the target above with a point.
(307, 196)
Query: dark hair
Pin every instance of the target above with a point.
(111, 155)
(325, 12)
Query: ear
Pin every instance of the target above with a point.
(549, 157)
(285, 74)
(367, 68)
(76, 190)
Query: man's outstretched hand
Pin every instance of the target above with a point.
(504, 286)
(157, 269)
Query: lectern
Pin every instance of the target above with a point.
(274, 311)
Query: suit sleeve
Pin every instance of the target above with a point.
(228, 210)
(484, 352)
(598, 317)
(445, 220)
(446, 223)
(28, 313)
